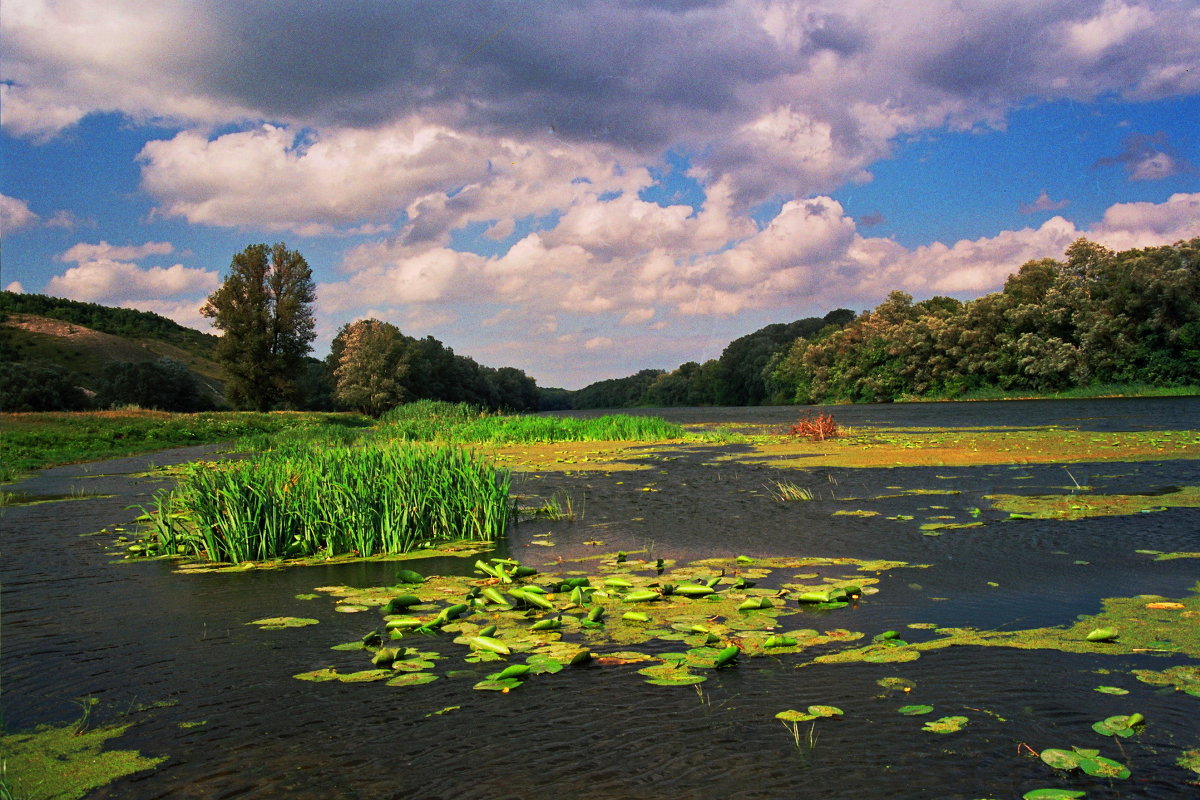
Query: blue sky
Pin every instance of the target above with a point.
(585, 190)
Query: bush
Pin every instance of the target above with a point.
(818, 428)
(33, 386)
(165, 385)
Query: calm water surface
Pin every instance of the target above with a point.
(76, 625)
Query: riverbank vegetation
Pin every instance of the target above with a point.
(36, 441)
(407, 482)
(302, 500)
(1097, 322)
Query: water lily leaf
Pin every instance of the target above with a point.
(1111, 690)
(946, 725)
(915, 710)
(1103, 635)
(895, 684)
(1119, 725)
(413, 679)
(791, 715)
(505, 685)
(825, 711)
(1061, 759)
(1101, 767)
(543, 665)
(279, 623)
(682, 680)
(1053, 794)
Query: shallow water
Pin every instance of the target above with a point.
(75, 624)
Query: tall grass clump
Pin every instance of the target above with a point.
(322, 501)
(448, 422)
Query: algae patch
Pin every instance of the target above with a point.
(58, 763)
(1083, 505)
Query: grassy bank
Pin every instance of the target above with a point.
(36, 441)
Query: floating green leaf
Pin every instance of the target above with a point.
(915, 710)
(1053, 794)
(1119, 725)
(279, 623)
(413, 679)
(825, 711)
(791, 715)
(1111, 690)
(946, 725)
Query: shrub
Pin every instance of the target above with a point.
(818, 428)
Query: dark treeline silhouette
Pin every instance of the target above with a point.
(1097, 318)
(373, 367)
(737, 378)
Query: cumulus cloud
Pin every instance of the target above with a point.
(105, 272)
(1043, 203)
(15, 214)
(15, 286)
(779, 96)
(1147, 158)
(105, 279)
(105, 251)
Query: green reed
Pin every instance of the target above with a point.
(434, 421)
(316, 500)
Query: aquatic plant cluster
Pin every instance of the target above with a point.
(511, 610)
(459, 422)
(311, 500)
(327, 491)
(514, 623)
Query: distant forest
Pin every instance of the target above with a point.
(1097, 318)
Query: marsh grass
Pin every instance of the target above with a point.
(788, 492)
(35, 441)
(302, 501)
(556, 508)
(449, 422)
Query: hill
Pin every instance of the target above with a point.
(83, 342)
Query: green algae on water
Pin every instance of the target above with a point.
(56, 763)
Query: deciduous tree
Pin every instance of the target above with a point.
(264, 310)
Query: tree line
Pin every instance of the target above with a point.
(1097, 317)
(264, 310)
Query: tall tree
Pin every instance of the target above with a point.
(372, 366)
(264, 310)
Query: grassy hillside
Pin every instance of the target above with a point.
(85, 350)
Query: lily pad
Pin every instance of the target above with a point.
(279, 623)
(792, 715)
(825, 711)
(946, 725)
(1119, 725)
(413, 679)
(1053, 794)
(1111, 690)
(914, 710)
(505, 685)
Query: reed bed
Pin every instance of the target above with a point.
(448, 422)
(309, 500)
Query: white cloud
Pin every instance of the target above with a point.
(185, 312)
(105, 279)
(15, 214)
(15, 286)
(105, 251)
(1043, 203)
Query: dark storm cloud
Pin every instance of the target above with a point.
(595, 70)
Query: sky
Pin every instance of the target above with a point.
(583, 190)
